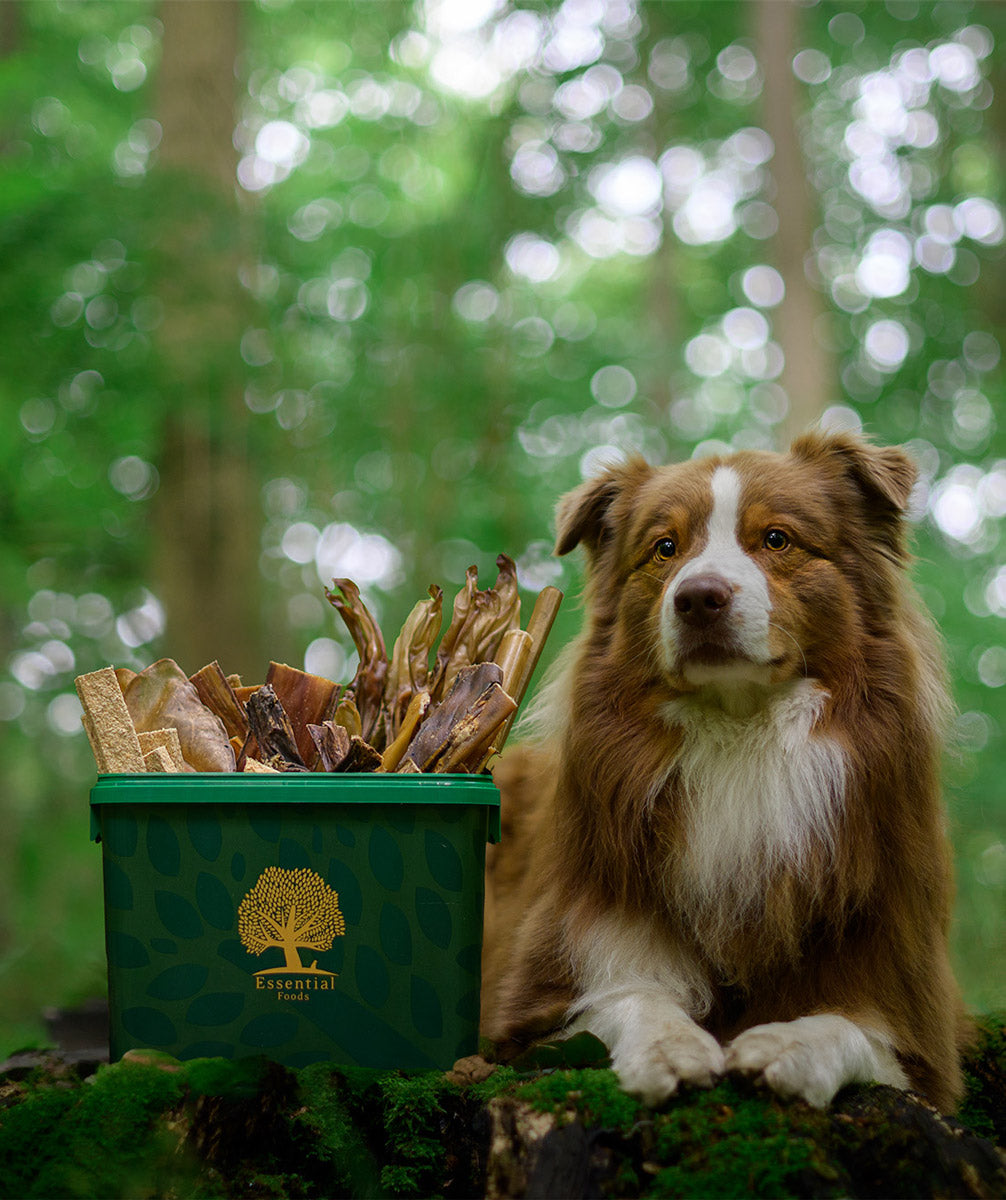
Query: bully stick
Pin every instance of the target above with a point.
(538, 628)
(410, 722)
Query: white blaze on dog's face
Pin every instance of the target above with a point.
(716, 611)
(735, 573)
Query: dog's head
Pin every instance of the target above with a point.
(751, 568)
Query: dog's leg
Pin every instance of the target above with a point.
(812, 1057)
(640, 996)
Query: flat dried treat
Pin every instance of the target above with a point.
(361, 757)
(332, 744)
(409, 670)
(162, 696)
(469, 713)
(218, 695)
(158, 761)
(166, 739)
(307, 700)
(108, 723)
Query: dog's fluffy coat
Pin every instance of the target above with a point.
(728, 852)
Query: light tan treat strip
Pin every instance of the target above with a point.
(167, 740)
(158, 760)
(108, 724)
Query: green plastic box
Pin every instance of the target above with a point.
(309, 918)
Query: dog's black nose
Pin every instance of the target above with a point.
(702, 600)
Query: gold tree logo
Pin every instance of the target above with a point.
(291, 910)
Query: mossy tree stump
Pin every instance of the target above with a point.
(153, 1127)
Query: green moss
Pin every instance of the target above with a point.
(591, 1095)
(983, 1108)
(733, 1141)
(330, 1116)
(413, 1109)
(214, 1128)
(95, 1139)
(230, 1079)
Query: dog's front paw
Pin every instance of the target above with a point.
(811, 1057)
(652, 1066)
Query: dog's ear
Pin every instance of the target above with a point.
(883, 475)
(584, 515)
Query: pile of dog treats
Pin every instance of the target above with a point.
(411, 712)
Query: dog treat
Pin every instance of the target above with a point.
(402, 715)
(166, 740)
(217, 692)
(479, 621)
(539, 627)
(331, 742)
(470, 737)
(410, 722)
(367, 687)
(347, 715)
(161, 696)
(158, 761)
(254, 767)
(460, 716)
(361, 757)
(306, 699)
(107, 723)
(271, 729)
(409, 670)
(512, 656)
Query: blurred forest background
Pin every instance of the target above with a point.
(291, 290)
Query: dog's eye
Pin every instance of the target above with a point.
(664, 549)
(775, 539)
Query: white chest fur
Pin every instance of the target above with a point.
(760, 790)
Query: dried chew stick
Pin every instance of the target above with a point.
(414, 714)
(512, 657)
(107, 723)
(538, 628)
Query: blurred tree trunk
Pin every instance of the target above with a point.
(207, 531)
(10, 27)
(808, 377)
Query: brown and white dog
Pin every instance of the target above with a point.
(729, 853)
